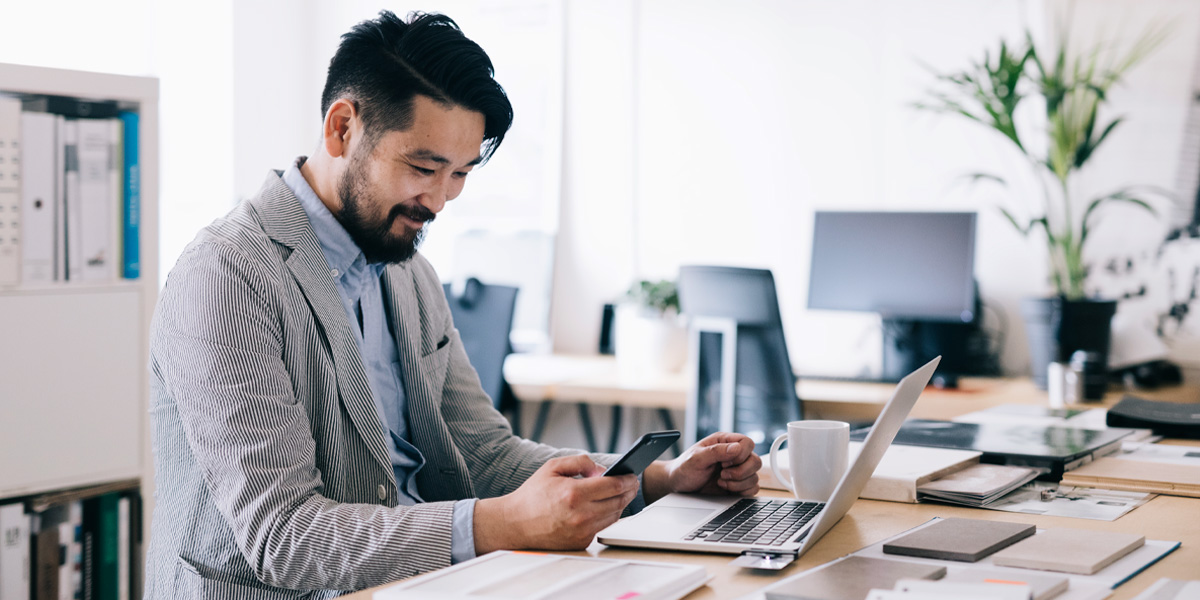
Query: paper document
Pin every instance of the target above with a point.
(1039, 498)
(1160, 453)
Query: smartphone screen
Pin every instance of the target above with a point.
(644, 451)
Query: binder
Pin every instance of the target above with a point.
(60, 199)
(10, 191)
(97, 205)
(131, 213)
(39, 188)
(72, 202)
(116, 178)
(14, 552)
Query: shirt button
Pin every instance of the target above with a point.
(334, 273)
(381, 491)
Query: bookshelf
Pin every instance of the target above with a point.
(74, 385)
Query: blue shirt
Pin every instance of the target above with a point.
(360, 285)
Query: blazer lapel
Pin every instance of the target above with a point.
(285, 221)
(424, 361)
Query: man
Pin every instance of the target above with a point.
(317, 426)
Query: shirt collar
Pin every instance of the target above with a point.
(336, 244)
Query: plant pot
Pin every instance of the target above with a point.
(1057, 327)
(648, 343)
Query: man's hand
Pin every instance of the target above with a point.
(722, 463)
(562, 506)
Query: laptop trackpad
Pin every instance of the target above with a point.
(670, 521)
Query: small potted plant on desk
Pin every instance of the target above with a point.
(649, 338)
(1072, 90)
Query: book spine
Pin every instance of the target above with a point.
(39, 185)
(136, 572)
(66, 568)
(89, 548)
(75, 516)
(10, 191)
(105, 543)
(14, 552)
(132, 198)
(97, 206)
(73, 202)
(60, 199)
(46, 554)
(116, 195)
(123, 548)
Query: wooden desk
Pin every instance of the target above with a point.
(595, 379)
(1163, 518)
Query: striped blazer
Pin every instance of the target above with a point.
(271, 466)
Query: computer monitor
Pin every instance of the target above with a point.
(915, 269)
(744, 380)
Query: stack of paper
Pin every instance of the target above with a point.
(533, 576)
(1118, 474)
(1158, 468)
(977, 485)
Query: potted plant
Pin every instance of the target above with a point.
(1070, 90)
(649, 338)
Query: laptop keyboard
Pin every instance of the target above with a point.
(757, 522)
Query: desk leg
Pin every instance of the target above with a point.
(585, 419)
(539, 425)
(669, 423)
(615, 435)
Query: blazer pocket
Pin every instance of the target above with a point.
(191, 585)
(433, 365)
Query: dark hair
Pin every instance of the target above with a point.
(383, 63)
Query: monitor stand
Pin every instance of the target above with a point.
(910, 343)
(901, 348)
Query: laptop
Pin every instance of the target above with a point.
(734, 525)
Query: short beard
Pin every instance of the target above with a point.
(372, 235)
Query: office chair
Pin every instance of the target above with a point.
(483, 315)
(741, 377)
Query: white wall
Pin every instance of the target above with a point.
(191, 53)
(752, 115)
(278, 73)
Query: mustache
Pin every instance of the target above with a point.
(415, 212)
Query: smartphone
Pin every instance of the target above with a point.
(644, 451)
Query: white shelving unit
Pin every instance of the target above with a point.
(74, 385)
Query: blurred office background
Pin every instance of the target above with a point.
(651, 134)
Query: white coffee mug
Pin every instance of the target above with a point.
(818, 452)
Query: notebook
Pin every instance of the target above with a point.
(1080, 551)
(965, 540)
(977, 485)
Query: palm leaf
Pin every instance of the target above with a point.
(1123, 195)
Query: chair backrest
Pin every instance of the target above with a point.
(483, 315)
(761, 399)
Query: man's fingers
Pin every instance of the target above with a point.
(602, 488)
(613, 505)
(570, 466)
(743, 470)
